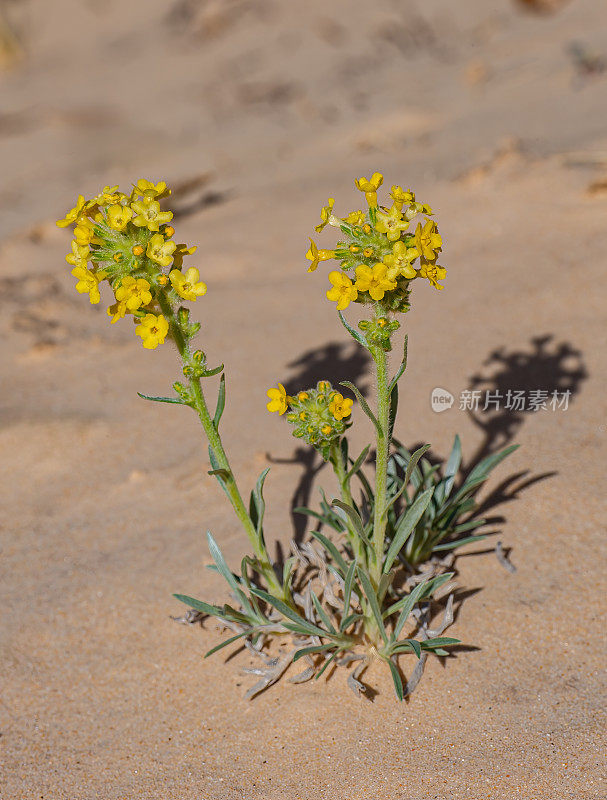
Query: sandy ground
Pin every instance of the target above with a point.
(269, 107)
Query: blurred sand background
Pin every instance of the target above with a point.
(495, 111)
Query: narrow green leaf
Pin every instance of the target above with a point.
(324, 518)
(354, 516)
(402, 368)
(358, 463)
(353, 333)
(226, 643)
(176, 400)
(331, 548)
(302, 624)
(208, 373)
(398, 684)
(364, 405)
(347, 593)
(392, 411)
(470, 525)
(484, 467)
(407, 608)
(325, 665)
(405, 525)
(430, 587)
(460, 542)
(221, 401)
(199, 605)
(220, 473)
(306, 651)
(322, 614)
(410, 467)
(372, 598)
(226, 573)
(347, 621)
(453, 464)
(439, 641)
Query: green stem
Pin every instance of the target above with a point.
(381, 465)
(229, 482)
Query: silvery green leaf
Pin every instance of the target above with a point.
(406, 524)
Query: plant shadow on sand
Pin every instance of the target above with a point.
(544, 366)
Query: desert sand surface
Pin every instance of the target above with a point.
(256, 111)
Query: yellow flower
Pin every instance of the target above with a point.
(391, 223)
(427, 240)
(180, 252)
(399, 262)
(355, 218)
(88, 283)
(340, 407)
(370, 187)
(375, 281)
(79, 255)
(433, 272)
(325, 214)
(188, 286)
(118, 216)
(84, 230)
(134, 292)
(278, 399)
(117, 311)
(401, 197)
(152, 190)
(73, 214)
(149, 214)
(315, 256)
(153, 330)
(343, 291)
(159, 250)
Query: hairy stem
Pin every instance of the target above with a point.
(214, 439)
(381, 464)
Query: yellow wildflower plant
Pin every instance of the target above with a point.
(278, 400)
(134, 293)
(391, 223)
(153, 330)
(343, 291)
(370, 186)
(188, 285)
(316, 256)
(88, 283)
(376, 524)
(325, 215)
(160, 250)
(149, 214)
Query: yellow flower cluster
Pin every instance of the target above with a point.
(377, 258)
(318, 415)
(127, 240)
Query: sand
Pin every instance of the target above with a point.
(267, 108)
